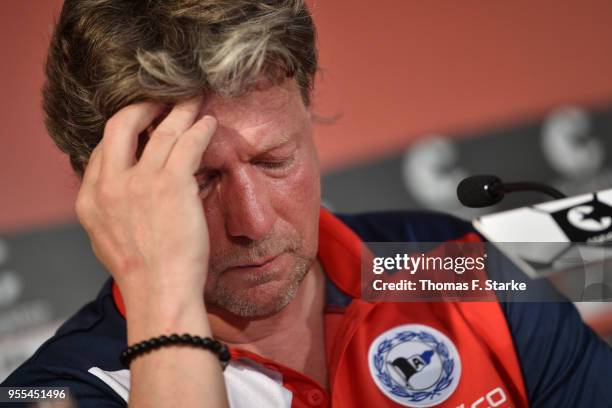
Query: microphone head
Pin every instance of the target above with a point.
(480, 191)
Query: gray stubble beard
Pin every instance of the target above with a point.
(228, 299)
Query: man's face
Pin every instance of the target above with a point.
(260, 188)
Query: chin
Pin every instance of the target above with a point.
(248, 298)
(260, 300)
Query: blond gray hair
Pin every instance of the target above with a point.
(106, 54)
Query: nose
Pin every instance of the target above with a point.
(249, 214)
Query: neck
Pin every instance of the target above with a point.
(303, 313)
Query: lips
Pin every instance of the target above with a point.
(255, 273)
(258, 263)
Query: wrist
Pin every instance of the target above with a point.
(166, 319)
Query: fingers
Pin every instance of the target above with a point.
(121, 134)
(163, 138)
(177, 143)
(187, 153)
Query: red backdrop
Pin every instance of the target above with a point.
(394, 70)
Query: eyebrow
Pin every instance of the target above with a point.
(263, 149)
(276, 142)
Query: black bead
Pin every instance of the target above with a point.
(206, 341)
(186, 339)
(174, 338)
(225, 355)
(127, 356)
(153, 343)
(215, 346)
(163, 340)
(197, 341)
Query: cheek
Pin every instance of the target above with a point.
(297, 201)
(302, 187)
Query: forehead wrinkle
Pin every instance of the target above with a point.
(253, 124)
(273, 142)
(266, 136)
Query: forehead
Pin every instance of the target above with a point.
(271, 112)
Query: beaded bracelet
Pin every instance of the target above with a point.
(154, 343)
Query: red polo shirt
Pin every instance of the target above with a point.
(469, 341)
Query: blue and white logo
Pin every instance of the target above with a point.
(415, 365)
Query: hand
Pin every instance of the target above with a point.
(145, 218)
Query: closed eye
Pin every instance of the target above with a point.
(274, 164)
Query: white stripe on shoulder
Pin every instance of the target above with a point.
(119, 380)
(248, 385)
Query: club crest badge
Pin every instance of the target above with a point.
(415, 365)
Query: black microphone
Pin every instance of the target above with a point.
(485, 190)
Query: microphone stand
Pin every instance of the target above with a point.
(502, 188)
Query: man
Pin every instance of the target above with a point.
(189, 122)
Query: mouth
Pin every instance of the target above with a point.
(258, 265)
(256, 272)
